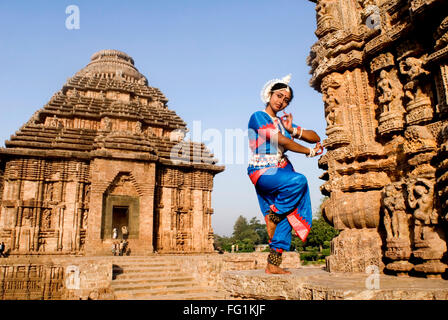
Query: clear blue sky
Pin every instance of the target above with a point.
(210, 58)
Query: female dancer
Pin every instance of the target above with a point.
(283, 194)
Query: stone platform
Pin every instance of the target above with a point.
(314, 283)
(155, 276)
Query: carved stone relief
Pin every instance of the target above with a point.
(385, 165)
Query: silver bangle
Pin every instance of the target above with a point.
(301, 131)
(312, 153)
(294, 132)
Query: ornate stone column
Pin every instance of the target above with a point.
(384, 87)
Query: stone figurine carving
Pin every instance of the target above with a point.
(417, 90)
(138, 127)
(397, 224)
(421, 197)
(336, 131)
(107, 124)
(85, 217)
(441, 35)
(394, 207)
(47, 219)
(389, 97)
(385, 90)
(334, 116)
(429, 238)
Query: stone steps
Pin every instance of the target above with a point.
(143, 263)
(187, 296)
(150, 285)
(129, 278)
(159, 294)
(132, 260)
(136, 269)
(156, 278)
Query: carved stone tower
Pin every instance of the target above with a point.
(382, 67)
(105, 153)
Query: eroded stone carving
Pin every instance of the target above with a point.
(442, 174)
(429, 238)
(325, 14)
(417, 91)
(336, 132)
(385, 90)
(389, 91)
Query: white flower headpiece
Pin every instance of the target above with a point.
(266, 92)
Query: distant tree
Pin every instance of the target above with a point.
(246, 234)
(296, 243)
(243, 231)
(260, 229)
(222, 243)
(245, 245)
(320, 235)
(240, 227)
(249, 234)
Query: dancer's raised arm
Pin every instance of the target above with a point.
(293, 146)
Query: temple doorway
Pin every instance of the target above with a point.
(120, 218)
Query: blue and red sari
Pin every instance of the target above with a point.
(279, 188)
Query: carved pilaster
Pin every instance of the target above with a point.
(383, 77)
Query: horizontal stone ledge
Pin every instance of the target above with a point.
(314, 283)
(45, 153)
(90, 155)
(133, 156)
(208, 167)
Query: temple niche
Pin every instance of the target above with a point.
(105, 153)
(382, 69)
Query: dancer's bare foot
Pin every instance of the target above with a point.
(271, 269)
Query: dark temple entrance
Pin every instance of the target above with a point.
(120, 218)
(119, 211)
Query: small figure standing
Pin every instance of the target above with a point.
(124, 232)
(120, 248)
(114, 233)
(114, 253)
(123, 247)
(2, 249)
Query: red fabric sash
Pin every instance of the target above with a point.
(256, 175)
(300, 226)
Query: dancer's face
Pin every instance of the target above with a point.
(279, 100)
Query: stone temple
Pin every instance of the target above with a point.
(103, 153)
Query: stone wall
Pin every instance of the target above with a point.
(55, 278)
(44, 207)
(183, 211)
